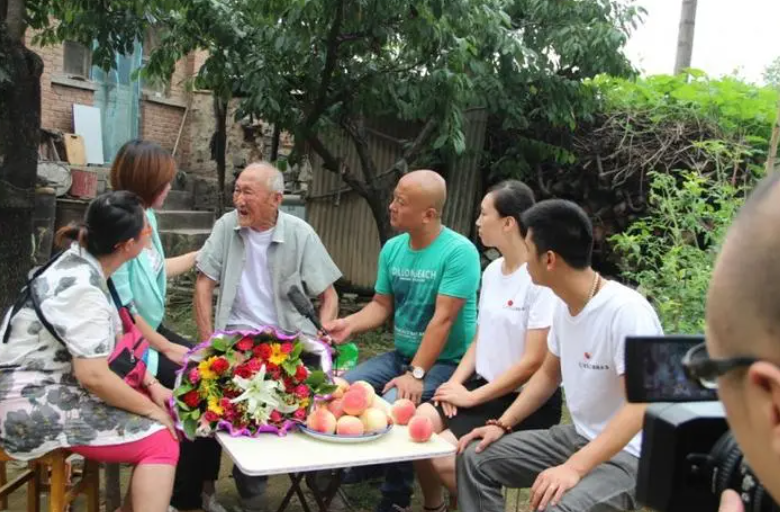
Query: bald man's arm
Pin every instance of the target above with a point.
(438, 330)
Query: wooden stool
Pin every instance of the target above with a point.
(60, 496)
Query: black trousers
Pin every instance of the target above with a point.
(199, 460)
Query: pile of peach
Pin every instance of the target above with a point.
(352, 411)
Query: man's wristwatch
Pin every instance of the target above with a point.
(416, 371)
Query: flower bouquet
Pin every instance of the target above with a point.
(249, 382)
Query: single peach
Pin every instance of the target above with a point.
(349, 426)
(370, 393)
(342, 388)
(354, 402)
(336, 407)
(374, 419)
(420, 429)
(322, 420)
(402, 411)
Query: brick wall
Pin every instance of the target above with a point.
(57, 98)
(160, 117)
(160, 123)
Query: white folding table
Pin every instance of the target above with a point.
(296, 454)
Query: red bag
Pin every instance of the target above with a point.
(127, 358)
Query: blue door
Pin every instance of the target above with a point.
(117, 97)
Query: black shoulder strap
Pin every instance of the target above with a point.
(27, 291)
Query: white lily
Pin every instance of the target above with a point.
(260, 395)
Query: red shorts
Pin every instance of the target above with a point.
(158, 448)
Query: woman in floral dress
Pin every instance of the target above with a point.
(62, 394)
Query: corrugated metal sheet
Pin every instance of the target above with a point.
(343, 219)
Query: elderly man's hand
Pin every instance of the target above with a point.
(339, 330)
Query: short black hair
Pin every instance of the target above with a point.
(511, 198)
(562, 227)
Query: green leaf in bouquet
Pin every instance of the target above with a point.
(290, 367)
(185, 388)
(220, 343)
(181, 405)
(325, 389)
(190, 426)
(297, 351)
(316, 378)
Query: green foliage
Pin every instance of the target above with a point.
(114, 26)
(670, 253)
(772, 74)
(731, 107)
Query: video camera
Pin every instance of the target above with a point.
(689, 456)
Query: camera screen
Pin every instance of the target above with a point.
(654, 370)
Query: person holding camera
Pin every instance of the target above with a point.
(592, 463)
(743, 335)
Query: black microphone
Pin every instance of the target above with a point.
(305, 307)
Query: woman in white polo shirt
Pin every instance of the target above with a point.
(510, 344)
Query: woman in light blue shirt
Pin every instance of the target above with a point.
(147, 169)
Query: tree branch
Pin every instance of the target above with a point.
(413, 151)
(332, 46)
(358, 136)
(14, 19)
(336, 165)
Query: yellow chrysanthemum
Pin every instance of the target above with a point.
(277, 356)
(204, 368)
(214, 406)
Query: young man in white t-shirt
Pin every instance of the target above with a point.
(592, 463)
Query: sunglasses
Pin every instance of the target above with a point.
(704, 371)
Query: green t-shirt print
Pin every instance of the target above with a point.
(449, 266)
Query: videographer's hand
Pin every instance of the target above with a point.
(339, 330)
(730, 502)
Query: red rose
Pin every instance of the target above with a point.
(244, 371)
(245, 344)
(263, 351)
(225, 403)
(254, 365)
(231, 393)
(302, 391)
(300, 414)
(192, 399)
(220, 365)
(211, 416)
(276, 416)
(275, 374)
(271, 367)
(287, 347)
(301, 373)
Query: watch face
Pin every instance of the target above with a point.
(418, 373)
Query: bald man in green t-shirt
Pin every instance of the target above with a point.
(427, 279)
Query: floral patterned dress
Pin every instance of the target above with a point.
(42, 405)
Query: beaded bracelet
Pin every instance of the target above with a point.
(500, 424)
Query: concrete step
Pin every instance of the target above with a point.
(184, 219)
(180, 241)
(178, 200)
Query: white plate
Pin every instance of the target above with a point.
(333, 438)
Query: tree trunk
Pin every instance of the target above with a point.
(220, 118)
(378, 199)
(20, 123)
(685, 36)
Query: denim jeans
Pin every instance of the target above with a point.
(378, 371)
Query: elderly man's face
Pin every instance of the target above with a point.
(257, 206)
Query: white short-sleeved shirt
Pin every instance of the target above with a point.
(42, 405)
(254, 304)
(509, 306)
(591, 347)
